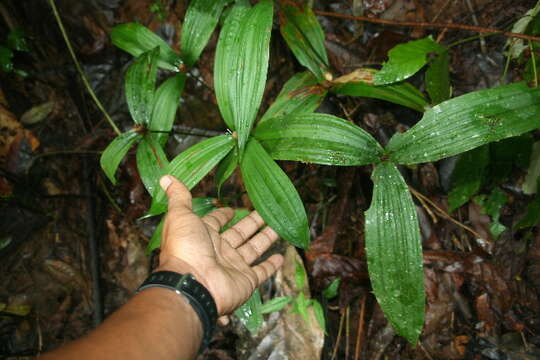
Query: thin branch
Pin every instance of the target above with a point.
(429, 25)
(443, 213)
(79, 69)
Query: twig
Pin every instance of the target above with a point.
(428, 210)
(533, 62)
(336, 346)
(443, 213)
(360, 331)
(79, 69)
(433, 25)
(347, 317)
(483, 47)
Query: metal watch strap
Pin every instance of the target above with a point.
(198, 296)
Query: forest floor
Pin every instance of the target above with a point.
(62, 222)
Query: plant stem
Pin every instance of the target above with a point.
(533, 60)
(79, 69)
(470, 38)
(429, 25)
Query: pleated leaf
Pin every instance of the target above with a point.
(318, 138)
(241, 65)
(201, 19)
(394, 252)
(141, 85)
(250, 314)
(192, 165)
(305, 37)
(360, 83)
(274, 196)
(438, 78)
(115, 152)
(151, 162)
(137, 39)
(166, 102)
(468, 121)
(226, 168)
(404, 60)
(300, 94)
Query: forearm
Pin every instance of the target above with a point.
(155, 324)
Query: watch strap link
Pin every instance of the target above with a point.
(198, 296)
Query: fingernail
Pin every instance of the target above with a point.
(165, 182)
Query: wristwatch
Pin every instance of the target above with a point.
(198, 296)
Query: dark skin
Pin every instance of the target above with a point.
(157, 323)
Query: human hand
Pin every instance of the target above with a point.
(221, 262)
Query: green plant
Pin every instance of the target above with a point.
(15, 41)
(291, 130)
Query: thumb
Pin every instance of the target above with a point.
(178, 194)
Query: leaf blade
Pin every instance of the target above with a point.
(200, 21)
(274, 196)
(404, 60)
(192, 165)
(241, 66)
(318, 138)
(115, 152)
(361, 84)
(140, 86)
(166, 102)
(137, 39)
(438, 78)
(300, 94)
(468, 121)
(151, 162)
(305, 37)
(394, 252)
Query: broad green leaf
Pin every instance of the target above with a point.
(467, 176)
(200, 206)
(226, 168)
(225, 59)
(305, 37)
(394, 252)
(301, 94)
(332, 290)
(438, 78)
(166, 101)
(360, 83)
(151, 161)
(468, 121)
(115, 152)
(319, 314)
(241, 65)
(201, 18)
(250, 313)
(275, 304)
(404, 60)
(155, 240)
(318, 138)
(141, 85)
(274, 196)
(137, 39)
(192, 165)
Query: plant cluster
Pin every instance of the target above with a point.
(291, 129)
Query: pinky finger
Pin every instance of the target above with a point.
(267, 268)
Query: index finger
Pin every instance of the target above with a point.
(243, 230)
